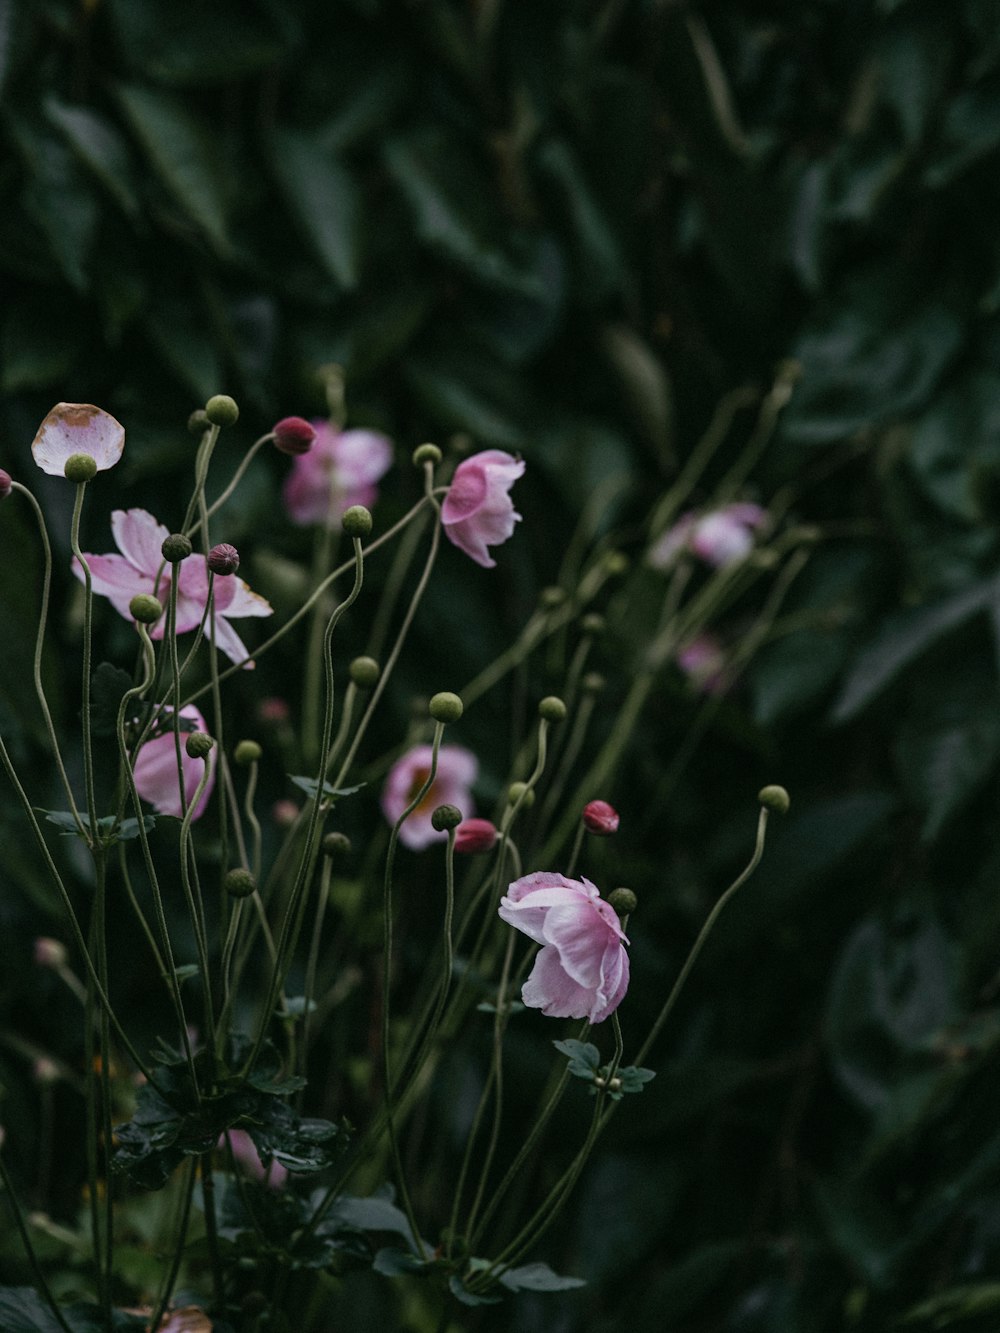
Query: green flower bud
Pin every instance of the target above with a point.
(520, 791)
(357, 521)
(198, 745)
(616, 563)
(775, 799)
(176, 548)
(593, 624)
(198, 421)
(426, 453)
(247, 752)
(445, 817)
(80, 467)
(336, 844)
(550, 598)
(145, 608)
(593, 683)
(239, 883)
(221, 410)
(552, 709)
(364, 671)
(445, 707)
(623, 901)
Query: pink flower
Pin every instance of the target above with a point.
(581, 971)
(140, 568)
(600, 818)
(721, 537)
(477, 511)
(155, 769)
(340, 470)
(703, 661)
(475, 835)
(246, 1155)
(77, 428)
(456, 772)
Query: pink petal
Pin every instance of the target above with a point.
(581, 936)
(550, 988)
(361, 458)
(113, 577)
(77, 428)
(155, 770)
(139, 538)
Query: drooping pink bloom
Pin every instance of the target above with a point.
(140, 568)
(77, 428)
(600, 818)
(340, 470)
(246, 1156)
(703, 661)
(456, 772)
(155, 769)
(581, 970)
(477, 511)
(475, 835)
(720, 538)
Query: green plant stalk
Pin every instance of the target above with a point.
(392, 588)
(212, 1231)
(237, 477)
(100, 930)
(29, 1249)
(88, 618)
(312, 962)
(192, 896)
(252, 820)
(201, 462)
(323, 554)
(346, 715)
(92, 1056)
(177, 1255)
(43, 618)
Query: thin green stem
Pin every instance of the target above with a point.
(88, 616)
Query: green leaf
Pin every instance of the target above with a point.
(970, 131)
(376, 1213)
(108, 684)
(955, 1304)
(330, 793)
(461, 1293)
(584, 1057)
(183, 155)
(538, 1277)
(99, 145)
(392, 1262)
(190, 43)
(22, 1310)
(600, 265)
(59, 199)
(322, 196)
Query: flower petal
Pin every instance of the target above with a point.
(550, 988)
(77, 428)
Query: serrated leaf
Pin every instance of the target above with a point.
(330, 793)
(538, 1277)
(108, 684)
(391, 1262)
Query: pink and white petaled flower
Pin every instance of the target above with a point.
(77, 428)
(456, 772)
(245, 1155)
(703, 661)
(155, 769)
(140, 568)
(721, 537)
(477, 511)
(581, 970)
(340, 470)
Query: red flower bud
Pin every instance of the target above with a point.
(475, 835)
(5, 484)
(600, 818)
(294, 435)
(223, 559)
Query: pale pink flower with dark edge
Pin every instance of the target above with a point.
(140, 568)
(721, 537)
(155, 768)
(340, 470)
(77, 428)
(246, 1156)
(581, 970)
(478, 512)
(457, 769)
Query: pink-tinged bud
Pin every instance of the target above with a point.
(294, 435)
(284, 813)
(273, 709)
(600, 818)
(45, 1070)
(5, 484)
(475, 835)
(223, 559)
(49, 952)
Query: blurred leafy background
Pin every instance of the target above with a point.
(568, 229)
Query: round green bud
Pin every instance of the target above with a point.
(336, 844)
(247, 752)
(593, 624)
(357, 521)
(593, 683)
(221, 410)
(623, 901)
(198, 421)
(520, 791)
(426, 453)
(552, 597)
(552, 709)
(198, 745)
(445, 707)
(775, 799)
(445, 817)
(616, 563)
(80, 467)
(239, 883)
(145, 608)
(364, 671)
(176, 548)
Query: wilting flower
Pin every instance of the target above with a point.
(475, 835)
(456, 772)
(721, 537)
(477, 511)
(340, 470)
(77, 428)
(140, 569)
(155, 769)
(703, 661)
(246, 1155)
(581, 971)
